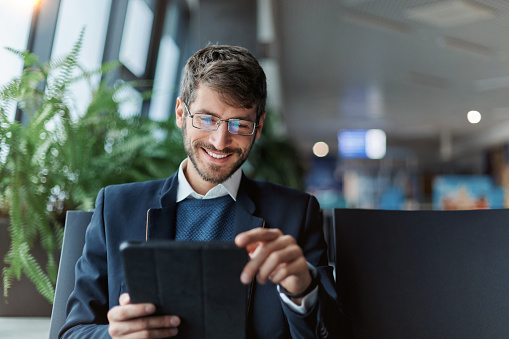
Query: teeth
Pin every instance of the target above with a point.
(217, 156)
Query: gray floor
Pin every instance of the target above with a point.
(26, 328)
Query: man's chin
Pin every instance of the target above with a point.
(214, 178)
(216, 173)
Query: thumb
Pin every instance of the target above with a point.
(124, 299)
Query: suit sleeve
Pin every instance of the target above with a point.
(325, 319)
(88, 304)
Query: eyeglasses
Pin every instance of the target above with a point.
(210, 122)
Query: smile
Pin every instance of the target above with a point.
(217, 156)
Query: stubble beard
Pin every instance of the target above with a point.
(213, 173)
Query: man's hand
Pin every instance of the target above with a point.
(133, 321)
(276, 257)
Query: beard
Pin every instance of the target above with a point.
(213, 173)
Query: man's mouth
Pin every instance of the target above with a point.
(216, 155)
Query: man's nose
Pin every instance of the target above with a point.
(221, 138)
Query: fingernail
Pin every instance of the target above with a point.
(238, 240)
(150, 308)
(244, 277)
(124, 298)
(175, 321)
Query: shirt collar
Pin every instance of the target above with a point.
(229, 186)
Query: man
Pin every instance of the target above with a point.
(221, 110)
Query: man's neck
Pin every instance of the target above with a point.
(199, 185)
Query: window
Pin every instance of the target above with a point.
(15, 18)
(136, 37)
(72, 17)
(165, 82)
(169, 61)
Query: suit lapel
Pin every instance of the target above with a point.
(161, 220)
(245, 208)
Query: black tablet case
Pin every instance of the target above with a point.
(198, 281)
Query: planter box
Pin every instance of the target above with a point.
(23, 299)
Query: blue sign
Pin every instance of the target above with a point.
(362, 144)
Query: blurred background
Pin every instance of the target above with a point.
(387, 103)
(383, 104)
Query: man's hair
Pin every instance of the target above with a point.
(232, 71)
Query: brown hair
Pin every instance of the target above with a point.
(232, 71)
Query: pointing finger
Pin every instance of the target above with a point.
(257, 235)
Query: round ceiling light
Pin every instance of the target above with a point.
(320, 149)
(474, 117)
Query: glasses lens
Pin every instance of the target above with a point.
(242, 127)
(205, 121)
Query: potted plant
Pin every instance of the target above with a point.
(59, 158)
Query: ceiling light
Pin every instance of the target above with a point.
(320, 149)
(474, 117)
(450, 13)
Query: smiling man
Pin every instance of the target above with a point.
(215, 156)
(221, 110)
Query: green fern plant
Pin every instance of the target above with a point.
(58, 160)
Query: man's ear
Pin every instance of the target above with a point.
(260, 125)
(179, 112)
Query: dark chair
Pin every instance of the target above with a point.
(424, 274)
(76, 223)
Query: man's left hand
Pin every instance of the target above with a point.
(276, 257)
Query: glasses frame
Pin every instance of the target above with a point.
(218, 123)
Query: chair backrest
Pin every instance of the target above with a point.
(424, 274)
(76, 223)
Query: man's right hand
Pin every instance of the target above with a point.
(134, 321)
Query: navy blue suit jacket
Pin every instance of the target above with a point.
(145, 211)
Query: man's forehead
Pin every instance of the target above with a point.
(223, 97)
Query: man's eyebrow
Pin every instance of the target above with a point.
(206, 111)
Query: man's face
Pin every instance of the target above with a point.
(215, 155)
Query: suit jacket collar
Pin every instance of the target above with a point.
(169, 191)
(245, 218)
(161, 219)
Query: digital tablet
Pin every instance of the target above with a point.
(197, 281)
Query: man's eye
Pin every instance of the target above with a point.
(207, 120)
(240, 123)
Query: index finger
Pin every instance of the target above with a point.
(256, 235)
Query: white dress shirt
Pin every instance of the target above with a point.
(229, 186)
